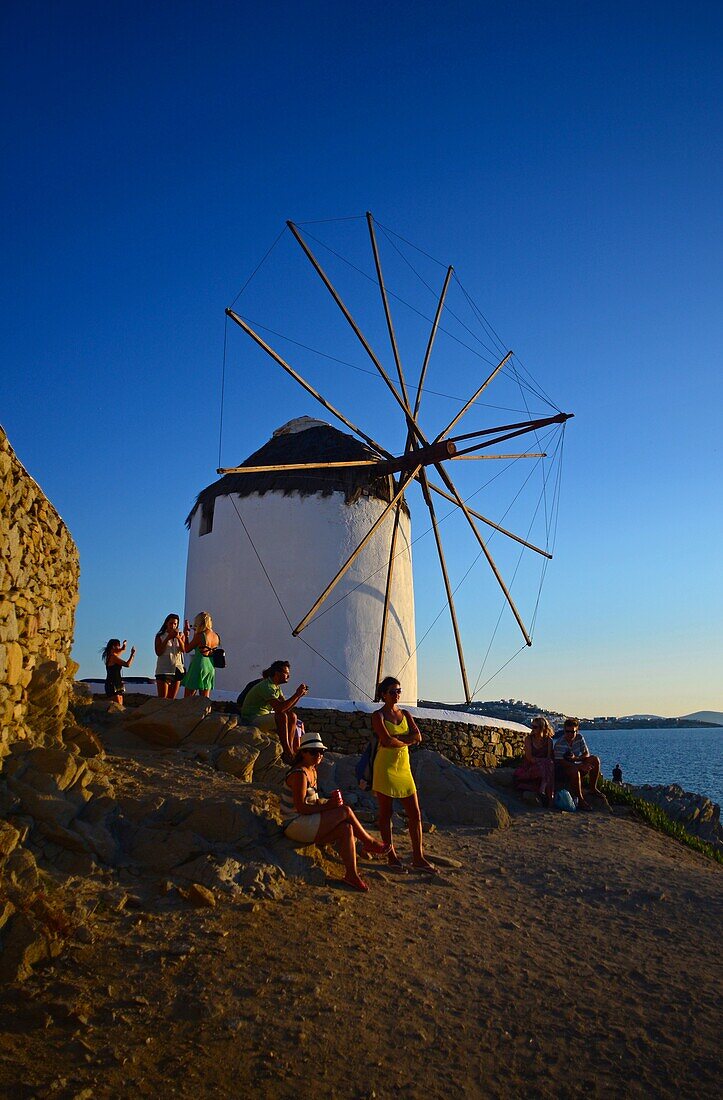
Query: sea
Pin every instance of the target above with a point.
(692, 758)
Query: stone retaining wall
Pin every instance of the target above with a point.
(465, 743)
(39, 571)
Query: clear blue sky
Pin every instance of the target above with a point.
(564, 157)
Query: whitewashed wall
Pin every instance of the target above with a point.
(302, 541)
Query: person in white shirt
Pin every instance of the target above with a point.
(573, 761)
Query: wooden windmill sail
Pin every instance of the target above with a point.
(420, 459)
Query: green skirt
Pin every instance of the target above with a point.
(201, 674)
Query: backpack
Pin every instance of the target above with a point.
(564, 801)
(244, 691)
(364, 770)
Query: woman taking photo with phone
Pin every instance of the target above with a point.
(201, 675)
(170, 645)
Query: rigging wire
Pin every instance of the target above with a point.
(435, 294)
(260, 264)
(372, 373)
(543, 572)
(325, 221)
(258, 267)
(398, 297)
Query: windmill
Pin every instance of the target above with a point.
(420, 459)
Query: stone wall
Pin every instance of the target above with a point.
(466, 743)
(39, 571)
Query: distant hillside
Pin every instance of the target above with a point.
(714, 716)
(517, 710)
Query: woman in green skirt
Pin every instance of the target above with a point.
(201, 673)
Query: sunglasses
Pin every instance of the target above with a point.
(315, 752)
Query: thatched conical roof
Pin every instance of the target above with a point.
(304, 440)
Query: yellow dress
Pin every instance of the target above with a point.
(392, 773)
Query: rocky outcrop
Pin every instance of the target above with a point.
(696, 813)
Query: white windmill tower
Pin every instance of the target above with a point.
(264, 541)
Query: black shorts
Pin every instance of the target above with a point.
(170, 677)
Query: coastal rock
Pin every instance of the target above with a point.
(696, 813)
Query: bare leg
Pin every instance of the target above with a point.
(282, 731)
(573, 775)
(162, 687)
(592, 768)
(386, 805)
(173, 689)
(188, 691)
(342, 836)
(340, 815)
(293, 735)
(414, 822)
(206, 693)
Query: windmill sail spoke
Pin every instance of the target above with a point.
(474, 396)
(333, 583)
(305, 385)
(482, 458)
(387, 312)
(298, 466)
(491, 523)
(387, 594)
(447, 585)
(458, 499)
(430, 342)
(527, 425)
(355, 328)
(499, 439)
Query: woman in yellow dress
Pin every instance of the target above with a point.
(396, 730)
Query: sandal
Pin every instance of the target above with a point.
(356, 884)
(425, 870)
(376, 848)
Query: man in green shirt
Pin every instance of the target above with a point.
(265, 707)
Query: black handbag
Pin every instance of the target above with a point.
(218, 657)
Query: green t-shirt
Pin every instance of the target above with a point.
(258, 699)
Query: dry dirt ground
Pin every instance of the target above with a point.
(568, 955)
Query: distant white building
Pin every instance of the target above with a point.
(298, 527)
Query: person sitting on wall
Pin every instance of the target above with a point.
(573, 761)
(265, 707)
(539, 765)
(618, 775)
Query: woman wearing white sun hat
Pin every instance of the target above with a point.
(309, 819)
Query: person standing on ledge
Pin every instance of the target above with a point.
(170, 645)
(396, 730)
(573, 761)
(201, 675)
(265, 707)
(111, 654)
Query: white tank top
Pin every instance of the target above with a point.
(171, 660)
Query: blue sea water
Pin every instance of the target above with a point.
(693, 758)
